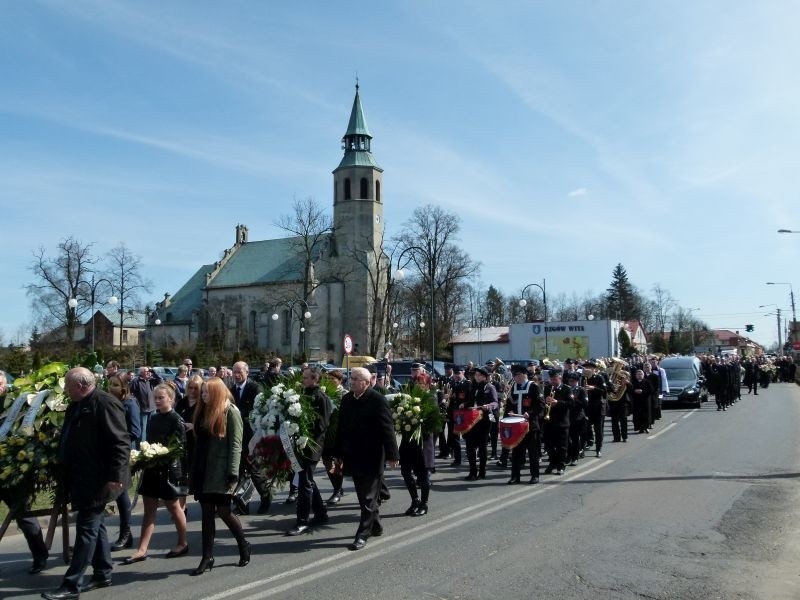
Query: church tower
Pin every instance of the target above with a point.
(358, 228)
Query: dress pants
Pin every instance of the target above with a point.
(308, 496)
(597, 425)
(91, 547)
(30, 528)
(577, 438)
(532, 444)
(367, 491)
(476, 439)
(556, 441)
(453, 441)
(619, 419)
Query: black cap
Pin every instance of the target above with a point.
(371, 368)
(554, 372)
(518, 369)
(417, 365)
(573, 376)
(591, 364)
(482, 371)
(459, 368)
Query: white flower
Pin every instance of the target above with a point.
(295, 410)
(407, 427)
(292, 428)
(415, 420)
(302, 441)
(409, 413)
(416, 409)
(276, 390)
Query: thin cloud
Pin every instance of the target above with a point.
(578, 192)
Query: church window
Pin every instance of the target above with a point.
(252, 326)
(347, 188)
(364, 188)
(377, 191)
(286, 320)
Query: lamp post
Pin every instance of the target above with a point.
(291, 306)
(523, 303)
(791, 297)
(93, 285)
(780, 332)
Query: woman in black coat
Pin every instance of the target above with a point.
(640, 393)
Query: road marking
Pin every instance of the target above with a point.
(385, 545)
(689, 414)
(667, 428)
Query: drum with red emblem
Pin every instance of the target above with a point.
(465, 419)
(512, 431)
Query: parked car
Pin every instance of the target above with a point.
(685, 380)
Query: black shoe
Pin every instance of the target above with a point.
(455, 463)
(335, 498)
(443, 456)
(534, 479)
(205, 565)
(513, 481)
(264, 505)
(321, 519)
(134, 559)
(125, 540)
(482, 475)
(96, 584)
(471, 477)
(560, 471)
(244, 555)
(501, 464)
(299, 529)
(291, 498)
(241, 508)
(39, 565)
(357, 544)
(176, 554)
(413, 508)
(422, 509)
(548, 470)
(385, 496)
(62, 593)
(377, 531)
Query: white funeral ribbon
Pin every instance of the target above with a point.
(286, 441)
(12, 415)
(30, 417)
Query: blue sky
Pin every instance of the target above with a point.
(568, 136)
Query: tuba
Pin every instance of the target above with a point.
(619, 378)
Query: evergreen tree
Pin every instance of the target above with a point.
(625, 345)
(495, 308)
(622, 299)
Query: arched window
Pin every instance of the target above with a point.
(252, 331)
(335, 191)
(364, 188)
(377, 191)
(347, 188)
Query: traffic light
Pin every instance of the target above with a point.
(748, 328)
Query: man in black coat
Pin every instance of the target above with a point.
(308, 496)
(244, 391)
(559, 397)
(365, 441)
(95, 451)
(597, 405)
(526, 400)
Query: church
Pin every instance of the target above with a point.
(295, 296)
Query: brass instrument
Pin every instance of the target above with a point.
(619, 378)
(547, 405)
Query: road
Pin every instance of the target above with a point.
(705, 507)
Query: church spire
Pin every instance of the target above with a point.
(357, 139)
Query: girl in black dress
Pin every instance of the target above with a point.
(160, 483)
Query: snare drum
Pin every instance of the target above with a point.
(465, 419)
(512, 431)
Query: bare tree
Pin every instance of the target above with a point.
(663, 305)
(58, 279)
(123, 270)
(427, 245)
(309, 224)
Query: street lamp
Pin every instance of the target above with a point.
(301, 319)
(523, 303)
(93, 285)
(791, 297)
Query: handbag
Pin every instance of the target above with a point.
(243, 492)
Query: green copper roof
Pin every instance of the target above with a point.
(187, 299)
(257, 263)
(358, 158)
(357, 124)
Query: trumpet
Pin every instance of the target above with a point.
(548, 405)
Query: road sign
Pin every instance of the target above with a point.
(348, 344)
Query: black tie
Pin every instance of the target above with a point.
(238, 394)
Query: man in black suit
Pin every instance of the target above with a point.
(308, 496)
(365, 441)
(95, 451)
(244, 392)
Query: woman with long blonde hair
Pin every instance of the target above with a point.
(215, 470)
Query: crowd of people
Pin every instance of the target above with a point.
(564, 408)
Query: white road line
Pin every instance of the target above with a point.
(667, 428)
(385, 545)
(690, 413)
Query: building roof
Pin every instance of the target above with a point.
(358, 158)
(482, 335)
(257, 263)
(358, 122)
(189, 298)
(133, 318)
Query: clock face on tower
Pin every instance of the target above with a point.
(377, 218)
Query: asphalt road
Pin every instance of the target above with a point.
(705, 507)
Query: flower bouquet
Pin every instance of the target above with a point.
(29, 435)
(151, 456)
(283, 424)
(415, 414)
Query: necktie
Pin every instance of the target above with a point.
(238, 393)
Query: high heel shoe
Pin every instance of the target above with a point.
(177, 553)
(244, 555)
(205, 565)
